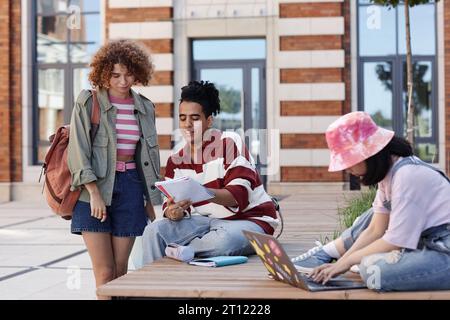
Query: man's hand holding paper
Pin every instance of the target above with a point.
(175, 211)
(184, 188)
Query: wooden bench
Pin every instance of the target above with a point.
(171, 279)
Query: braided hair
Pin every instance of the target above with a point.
(203, 93)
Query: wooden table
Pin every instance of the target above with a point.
(168, 278)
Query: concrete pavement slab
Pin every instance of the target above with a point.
(5, 271)
(49, 283)
(39, 255)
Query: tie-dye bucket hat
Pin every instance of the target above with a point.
(353, 138)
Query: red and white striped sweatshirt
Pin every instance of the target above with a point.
(226, 164)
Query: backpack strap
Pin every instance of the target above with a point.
(412, 160)
(95, 115)
(278, 211)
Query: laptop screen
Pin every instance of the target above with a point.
(275, 259)
(281, 268)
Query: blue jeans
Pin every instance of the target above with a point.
(361, 223)
(425, 268)
(208, 237)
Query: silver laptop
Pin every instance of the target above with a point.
(281, 268)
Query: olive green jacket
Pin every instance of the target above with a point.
(97, 161)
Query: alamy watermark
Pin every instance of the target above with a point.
(373, 21)
(374, 279)
(73, 281)
(372, 265)
(74, 17)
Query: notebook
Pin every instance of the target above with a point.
(184, 188)
(219, 261)
(281, 268)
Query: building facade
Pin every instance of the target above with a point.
(289, 67)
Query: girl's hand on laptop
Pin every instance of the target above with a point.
(175, 211)
(325, 272)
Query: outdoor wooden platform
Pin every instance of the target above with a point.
(308, 217)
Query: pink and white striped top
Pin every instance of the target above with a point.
(127, 127)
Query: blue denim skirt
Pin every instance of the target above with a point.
(126, 214)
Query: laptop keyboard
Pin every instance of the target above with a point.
(338, 282)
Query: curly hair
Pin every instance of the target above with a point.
(125, 52)
(203, 93)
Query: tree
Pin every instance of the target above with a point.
(230, 99)
(420, 98)
(409, 66)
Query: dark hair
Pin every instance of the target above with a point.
(379, 164)
(203, 93)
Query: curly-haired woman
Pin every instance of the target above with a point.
(116, 170)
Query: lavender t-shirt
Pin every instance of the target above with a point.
(420, 199)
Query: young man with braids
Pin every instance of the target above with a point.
(221, 162)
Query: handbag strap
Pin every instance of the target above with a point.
(95, 115)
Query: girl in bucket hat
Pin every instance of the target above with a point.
(403, 242)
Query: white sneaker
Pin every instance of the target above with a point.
(311, 259)
(180, 253)
(304, 270)
(355, 268)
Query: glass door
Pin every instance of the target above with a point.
(382, 88)
(241, 91)
(377, 94)
(50, 106)
(425, 118)
(230, 83)
(384, 97)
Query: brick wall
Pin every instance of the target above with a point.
(311, 75)
(308, 10)
(10, 92)
(135, 15)
(164, 110)
(310, 108)
(16, 91)
(303, 141)
(162, 78)
(311, 42)
(347, 73)
(139, 14)
(158, 45)
(5, 159)
(309, 174)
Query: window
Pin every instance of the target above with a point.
(229, 49)
(67, 34)
(382, 83)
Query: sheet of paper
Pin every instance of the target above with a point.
(184, 188)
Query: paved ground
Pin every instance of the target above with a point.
(39, 258)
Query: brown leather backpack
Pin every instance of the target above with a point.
(57, 175)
